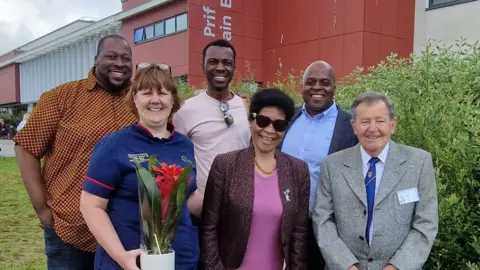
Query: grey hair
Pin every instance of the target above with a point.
(371, 98)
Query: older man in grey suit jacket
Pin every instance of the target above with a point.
(376, 203)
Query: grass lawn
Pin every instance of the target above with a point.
(21, 239)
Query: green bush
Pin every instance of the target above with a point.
(437, 98)
(11, 119)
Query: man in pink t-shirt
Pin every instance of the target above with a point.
(215, 119)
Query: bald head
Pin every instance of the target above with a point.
(319, 65)
(318, 87)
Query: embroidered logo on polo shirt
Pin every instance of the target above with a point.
(185, 159)
(142, 157)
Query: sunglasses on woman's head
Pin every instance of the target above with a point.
(161, 66)
(228, 118)
(265, 121)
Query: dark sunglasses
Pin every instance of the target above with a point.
(161, 66)
(228, 118)
(265, 121)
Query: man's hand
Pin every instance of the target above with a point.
(353, 267)
(390, 267)
(46, 217)
(128, 260)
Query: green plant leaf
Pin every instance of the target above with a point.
(152, 161)
(154, 198)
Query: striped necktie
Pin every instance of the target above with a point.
(370, 182)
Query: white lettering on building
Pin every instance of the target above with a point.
(209, 15)
(226, 26)
(226, 3)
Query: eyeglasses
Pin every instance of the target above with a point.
(265, 121)
(228, 118)
(161, 66)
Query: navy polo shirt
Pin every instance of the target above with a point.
(111, 175)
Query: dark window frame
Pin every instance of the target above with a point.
(432, 6)
(155, 36)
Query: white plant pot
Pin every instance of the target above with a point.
(158, 261)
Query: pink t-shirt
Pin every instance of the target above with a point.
(264, 249)
(201, 119)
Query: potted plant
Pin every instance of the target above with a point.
(162, 189)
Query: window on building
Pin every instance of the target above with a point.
(438, 2)
(445, 3)
(170, 26)
(149, 32)
(161, 28)
(182, 22)
(138, 35)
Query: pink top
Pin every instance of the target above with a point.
(264, 249)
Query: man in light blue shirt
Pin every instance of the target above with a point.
(319, 128)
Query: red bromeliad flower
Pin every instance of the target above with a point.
(167, 176)
(165, 188)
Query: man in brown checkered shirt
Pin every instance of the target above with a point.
(62, 130)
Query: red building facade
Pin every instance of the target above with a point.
(10, 81)
(272, 35)
(269, 36)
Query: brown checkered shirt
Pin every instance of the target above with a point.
(63, 128)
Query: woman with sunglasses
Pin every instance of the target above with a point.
(255, 210)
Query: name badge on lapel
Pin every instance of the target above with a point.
(408, 195)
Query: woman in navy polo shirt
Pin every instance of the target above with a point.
(109, 201)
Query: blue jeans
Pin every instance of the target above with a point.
(61, 256)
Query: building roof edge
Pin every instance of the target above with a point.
(95, 28)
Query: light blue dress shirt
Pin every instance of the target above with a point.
(309, 139)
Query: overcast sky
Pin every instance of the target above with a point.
(22, 21)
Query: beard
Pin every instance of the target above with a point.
(103, 79)
(219, 87)
(115, 89)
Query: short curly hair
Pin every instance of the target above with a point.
(219, 43)
(272, 97)
(153, 78)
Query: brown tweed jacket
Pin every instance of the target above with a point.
(228, 208)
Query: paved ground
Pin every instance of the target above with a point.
(6, 147)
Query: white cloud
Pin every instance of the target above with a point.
(22, 21)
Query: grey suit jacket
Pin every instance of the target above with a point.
(343, 136)
(403, 233)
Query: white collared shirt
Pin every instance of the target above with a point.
(379, 167)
